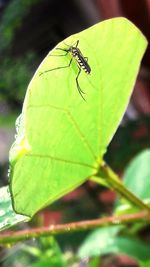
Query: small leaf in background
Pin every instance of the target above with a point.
(137, 175)
(40, 263)
(137, 179)
(62, 138)
(49, 253)
(44, 251)
(95, 262)
(145, 264)
(8, 217)
(105, 241)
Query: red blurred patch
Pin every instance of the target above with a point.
(107, 196)
(125, 260)
(141, 94)
(141, 132)
(50, 217)
(78, 193)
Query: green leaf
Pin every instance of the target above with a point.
(40, 263)
(50, 254)
(8, 217)
(145, 264)
(137, 175)
(106, 241)
(95, 262)
(62, 138)
(136, 179)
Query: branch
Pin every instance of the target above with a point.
(13, 237)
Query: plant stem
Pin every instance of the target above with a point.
(114, 182)
(13, 237)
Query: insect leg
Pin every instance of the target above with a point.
(58, 48)
(78, 86)
(56, 68)
(77, 43)
(62, 55)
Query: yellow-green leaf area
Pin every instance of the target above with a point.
(63, 137)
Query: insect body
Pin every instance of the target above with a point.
(81, 61)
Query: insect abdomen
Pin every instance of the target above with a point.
(83, 64)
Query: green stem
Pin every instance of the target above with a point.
(13, 237)
(114, 182)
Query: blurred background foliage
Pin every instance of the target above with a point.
(28, 30)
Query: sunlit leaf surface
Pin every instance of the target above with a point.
(62, 138)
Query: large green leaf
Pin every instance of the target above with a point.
(105, 241)
(62, 138)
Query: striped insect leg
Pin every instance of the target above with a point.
(78, 86)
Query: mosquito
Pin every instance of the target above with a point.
(82, 62)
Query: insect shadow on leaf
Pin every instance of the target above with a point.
(82, 62)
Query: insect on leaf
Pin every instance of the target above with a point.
(62, 138)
